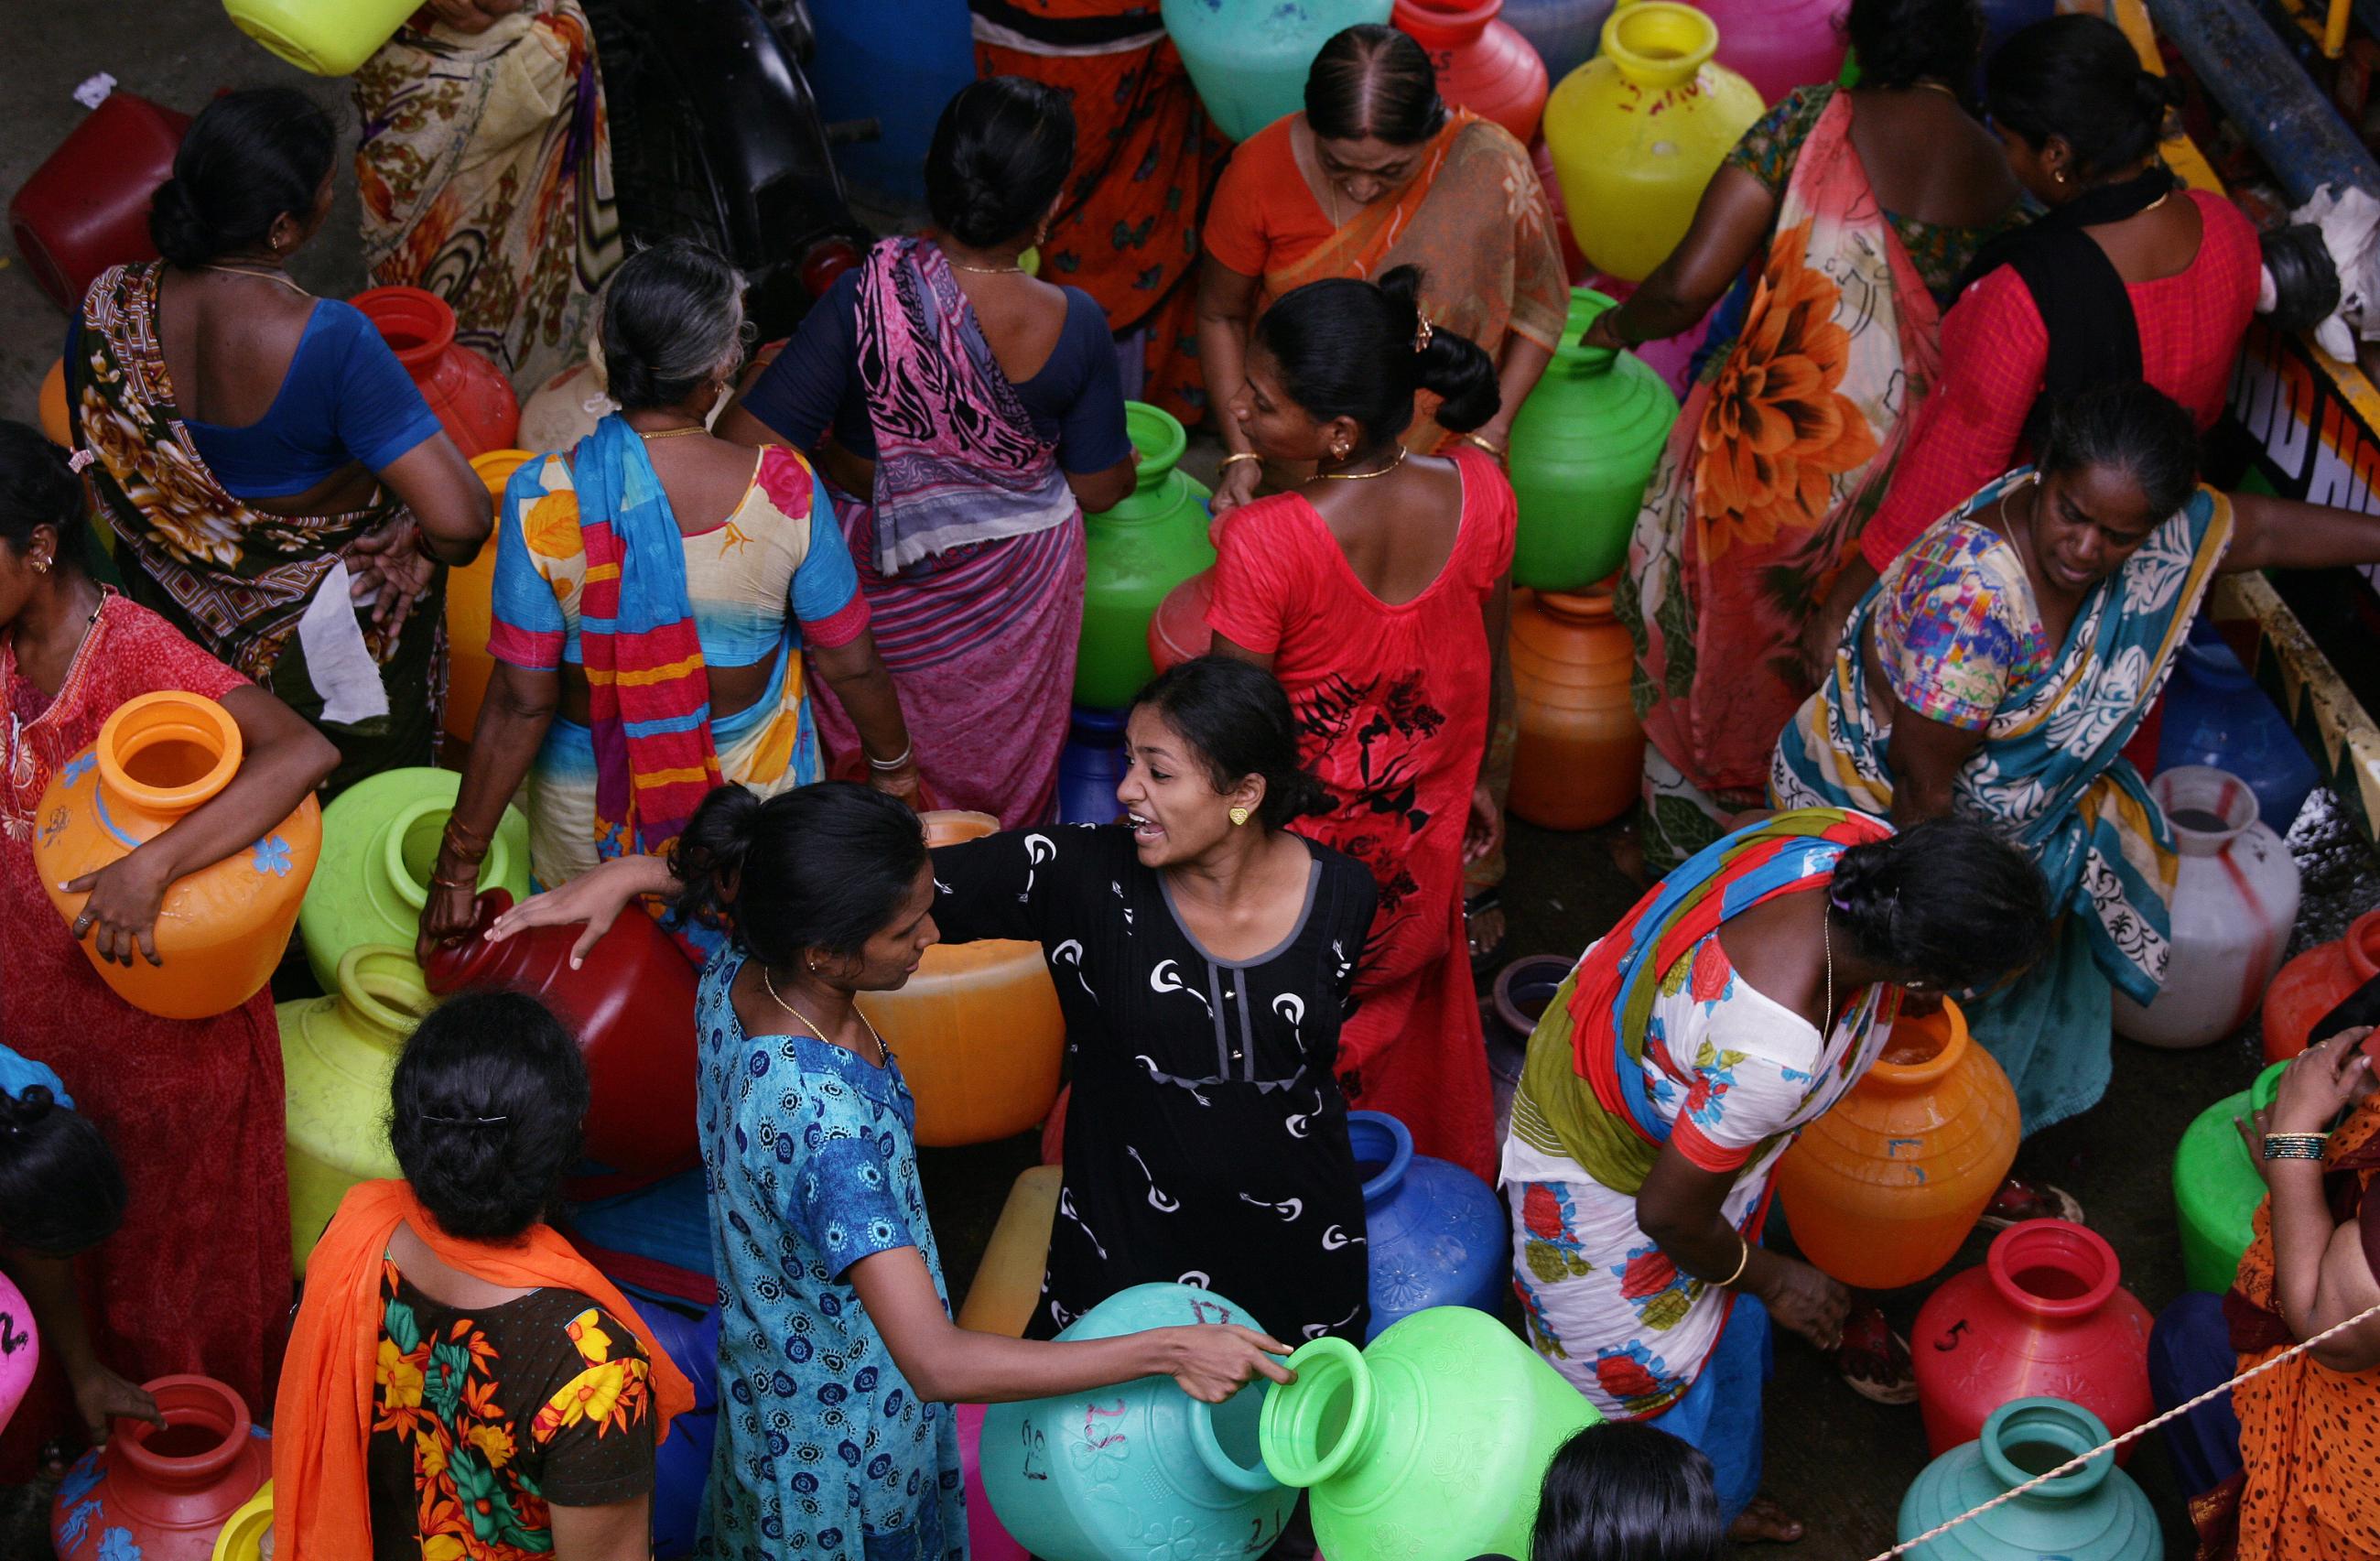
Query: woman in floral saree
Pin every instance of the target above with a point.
(1729, 1008)
(1998, 669)
(1866, 204)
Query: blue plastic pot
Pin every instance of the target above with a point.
(1437, 1234)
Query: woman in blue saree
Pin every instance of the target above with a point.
(1998, 669)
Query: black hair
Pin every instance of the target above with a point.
(1346, 349)
(672, 317)
(1236, 717)
(1901, 43)
(484, 1113)
(1000, 153)
(61, 1191)
(1624, 1491)
(1947, 901)
(249, 156)
(1373, 81)
(824, 866)
(2078, 77)
(2305, 280)
(2134, 426)
(37, 488)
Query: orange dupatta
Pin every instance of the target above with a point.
(322, 1420)
(1474, 218)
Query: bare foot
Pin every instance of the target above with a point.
(1765, 1522)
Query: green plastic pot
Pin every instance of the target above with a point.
(1431, 1441)
(380, 842)
(1144, 547)
(2217, 1186)
(1584, 446)
(2094, 1514)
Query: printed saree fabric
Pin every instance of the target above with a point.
(1474, 218)
(485, 170)
(1771, 471)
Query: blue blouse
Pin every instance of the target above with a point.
(811, 1158)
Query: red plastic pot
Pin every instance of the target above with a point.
(1483, 64)
(631, 1005)
(2046, 1316)
(2316, 982)
(1574, 266)
(86, 207)
(160, 1494)
(1177, 630)
(473, 399)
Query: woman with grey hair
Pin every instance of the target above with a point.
(661, 597)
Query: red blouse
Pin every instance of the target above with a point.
(1995, 348)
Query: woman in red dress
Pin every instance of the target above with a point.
(197, 1278)
(2129, 277)
(1377, 592)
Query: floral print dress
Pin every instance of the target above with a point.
(483, 1419)
(811, 1156)
(1735, 1075)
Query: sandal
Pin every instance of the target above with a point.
(2019, 1201)
(1872, 1359)
(1486, 962)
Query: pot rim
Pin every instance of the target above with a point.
(2363, 945)
(1693, 39)
(2044, 1243)
(2064, 1425)
(202, 719)
(1400, 1156)
(1916, 1075)
(1444, 23)
(1322, 1365)
(202, 1401)
(418, 308)
(1509, 976)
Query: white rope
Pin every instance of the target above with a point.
(2110, 1446)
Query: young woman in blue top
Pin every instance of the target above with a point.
(256, 446)
(837, 1353)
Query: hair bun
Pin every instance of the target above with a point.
(175, 226)
(2158, 92)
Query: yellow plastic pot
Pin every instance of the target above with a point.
(336, 1056)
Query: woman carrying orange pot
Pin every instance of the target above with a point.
(197, 1277)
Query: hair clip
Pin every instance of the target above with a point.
(1422, 332)
(464, 1121)
(81, 459)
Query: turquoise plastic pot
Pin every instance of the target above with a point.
(1136, 551)
(2094, 1514)
(1431, 1441)
(1141, 1469)
(380, 842)
(1584, 446)
(2217, 1188)
(1248, 59)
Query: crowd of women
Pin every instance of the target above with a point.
(1922, 548)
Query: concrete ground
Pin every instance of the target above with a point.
(1837, 1461)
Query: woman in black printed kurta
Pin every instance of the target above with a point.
(1206, 1139)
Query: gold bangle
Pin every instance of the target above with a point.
(1492, 448)
(1740, 1264)
(1237, 455)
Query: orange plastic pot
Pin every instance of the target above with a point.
(978, 1029)
(1579, 758)
(1882, 1190)
(471, 610)
(473, 400)
(2316, 982)
(57, 427)
(221, 930)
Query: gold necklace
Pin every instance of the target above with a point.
(1360, 476)
(1827, 942)
(671, 432)
(985, 269)
(1947, 92)
(884, 1052)
(260, 275)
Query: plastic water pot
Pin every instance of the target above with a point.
(1139, 1468)
(2047, 1312)
(1581, 753)
(2094, 1514)
(329, 40)
(1564, 32)
(380, 842)
(1482, 65)
(1177, 630)
(1431, 1441)
(221, 930)
(1090, 767)
(2217, 1188)
(1584, 446)
(164, 1493)
(86, 207)
(987, 1541)
(1153, 540)
(1437, 1235)
(470, 609)
(21, 1347)
(2315, 982)
(682, 1464)
(1248, 59)
(336, 1056)
(899, 62)
(1008, 1281)
(1883, 1189)
(2215, 714)
(1780, 45)
(2234, 903)
(473, 399)
(1639, 130)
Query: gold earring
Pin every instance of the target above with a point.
(1239, 816)
(41, 566)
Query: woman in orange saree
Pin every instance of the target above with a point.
(1145, 157)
